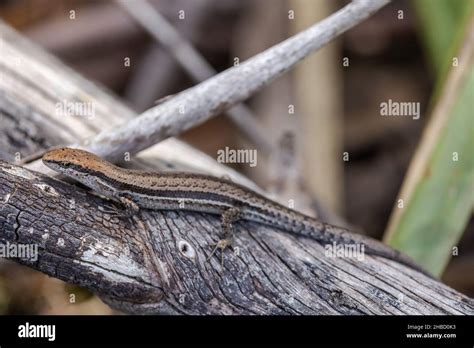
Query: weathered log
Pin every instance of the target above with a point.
(157, 261)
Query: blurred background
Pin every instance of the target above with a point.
(351, 162)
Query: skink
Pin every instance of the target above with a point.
(202, 193)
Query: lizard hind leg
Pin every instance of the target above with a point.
(228, 217)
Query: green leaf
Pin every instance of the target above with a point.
(439, 188)
(441, 28)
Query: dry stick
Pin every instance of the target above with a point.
(148, 80)
(194, 64)
(197, 104)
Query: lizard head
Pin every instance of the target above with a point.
(72, 162)
(80, 165)
(66, 157)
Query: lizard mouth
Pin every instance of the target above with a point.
(51, 164)
(67, 168)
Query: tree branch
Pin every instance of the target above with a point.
(217, 94)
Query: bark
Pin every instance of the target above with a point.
(157, 261)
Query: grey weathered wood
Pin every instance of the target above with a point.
(140, 265)
(136, 265)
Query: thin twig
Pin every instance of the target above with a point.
(209, 98)
(197, 104)
(194, 64)
(147, 81)
(150, 81)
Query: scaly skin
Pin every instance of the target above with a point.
(195, 192)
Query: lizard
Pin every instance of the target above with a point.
(137, 189)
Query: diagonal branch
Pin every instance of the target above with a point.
(194, 64)
(217, 94)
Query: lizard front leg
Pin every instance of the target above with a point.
(228, 217)
(131, 208)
